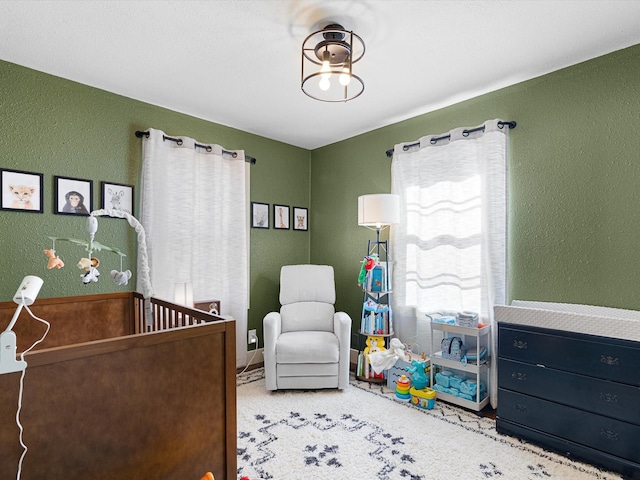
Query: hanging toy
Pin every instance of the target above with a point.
(121, 278)
(54, 260)
(91, 268)
(91, 275)
(86, 264)
(90, 263)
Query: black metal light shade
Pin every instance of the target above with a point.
(328, 56)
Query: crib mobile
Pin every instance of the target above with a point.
(90, 263)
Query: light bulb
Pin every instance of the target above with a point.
(325, 70)
(324, 84)
(345, 78)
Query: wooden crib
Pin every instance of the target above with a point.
(107, 396)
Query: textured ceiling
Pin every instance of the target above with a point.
(237, 63)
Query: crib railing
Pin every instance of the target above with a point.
(158, 315)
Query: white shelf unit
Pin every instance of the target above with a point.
(475, 371)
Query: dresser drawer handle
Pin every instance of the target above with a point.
(609, 397)
(518, 376)
(609, 360)
(520, 344)
(609, 435)
(519, 407)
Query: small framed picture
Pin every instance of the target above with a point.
(281, 217)
(116, 196)
(21, 191)
(259, 215)
(300, 218)
(72, 196)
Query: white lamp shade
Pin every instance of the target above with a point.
(378, 210)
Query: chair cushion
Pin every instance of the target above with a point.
(307, 316)
(307, 347)
(307, 283)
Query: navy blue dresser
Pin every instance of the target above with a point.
(573, 393)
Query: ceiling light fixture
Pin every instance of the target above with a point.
(328, 56)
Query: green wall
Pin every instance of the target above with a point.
(573, 211)
(57, 127)
(574, 207)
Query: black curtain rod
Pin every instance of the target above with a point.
(208, 148)
(465, 133)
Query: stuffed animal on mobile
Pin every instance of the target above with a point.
(54, 260)
(91, 275)
(121, 278)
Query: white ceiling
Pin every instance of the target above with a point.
(237, 62)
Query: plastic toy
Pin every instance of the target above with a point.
(403, 385)
(54, 260)
(418, 374)
(423, 398)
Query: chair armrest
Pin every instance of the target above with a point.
(342, 326)
(272, 327)
(342, 329)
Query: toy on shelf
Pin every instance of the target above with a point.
(375, 345)
(403, 385)
(369, 262)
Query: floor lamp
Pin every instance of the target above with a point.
(378, 211)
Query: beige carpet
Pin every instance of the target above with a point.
(365, 433)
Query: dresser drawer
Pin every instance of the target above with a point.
(595, 395)
(595, 431)
(601, 357)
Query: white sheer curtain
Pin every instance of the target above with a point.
(450, 245)
(194, 210)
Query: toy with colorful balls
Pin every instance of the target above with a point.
(403, 385)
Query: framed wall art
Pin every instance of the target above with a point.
(259, 215)
(300, 218)
(21, 191)
(281, 217)
(116, 196)
(72, 196)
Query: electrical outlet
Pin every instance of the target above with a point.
(253, 337)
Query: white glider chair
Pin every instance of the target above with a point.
(307, 343)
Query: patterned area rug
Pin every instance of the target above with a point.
(365, 433)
